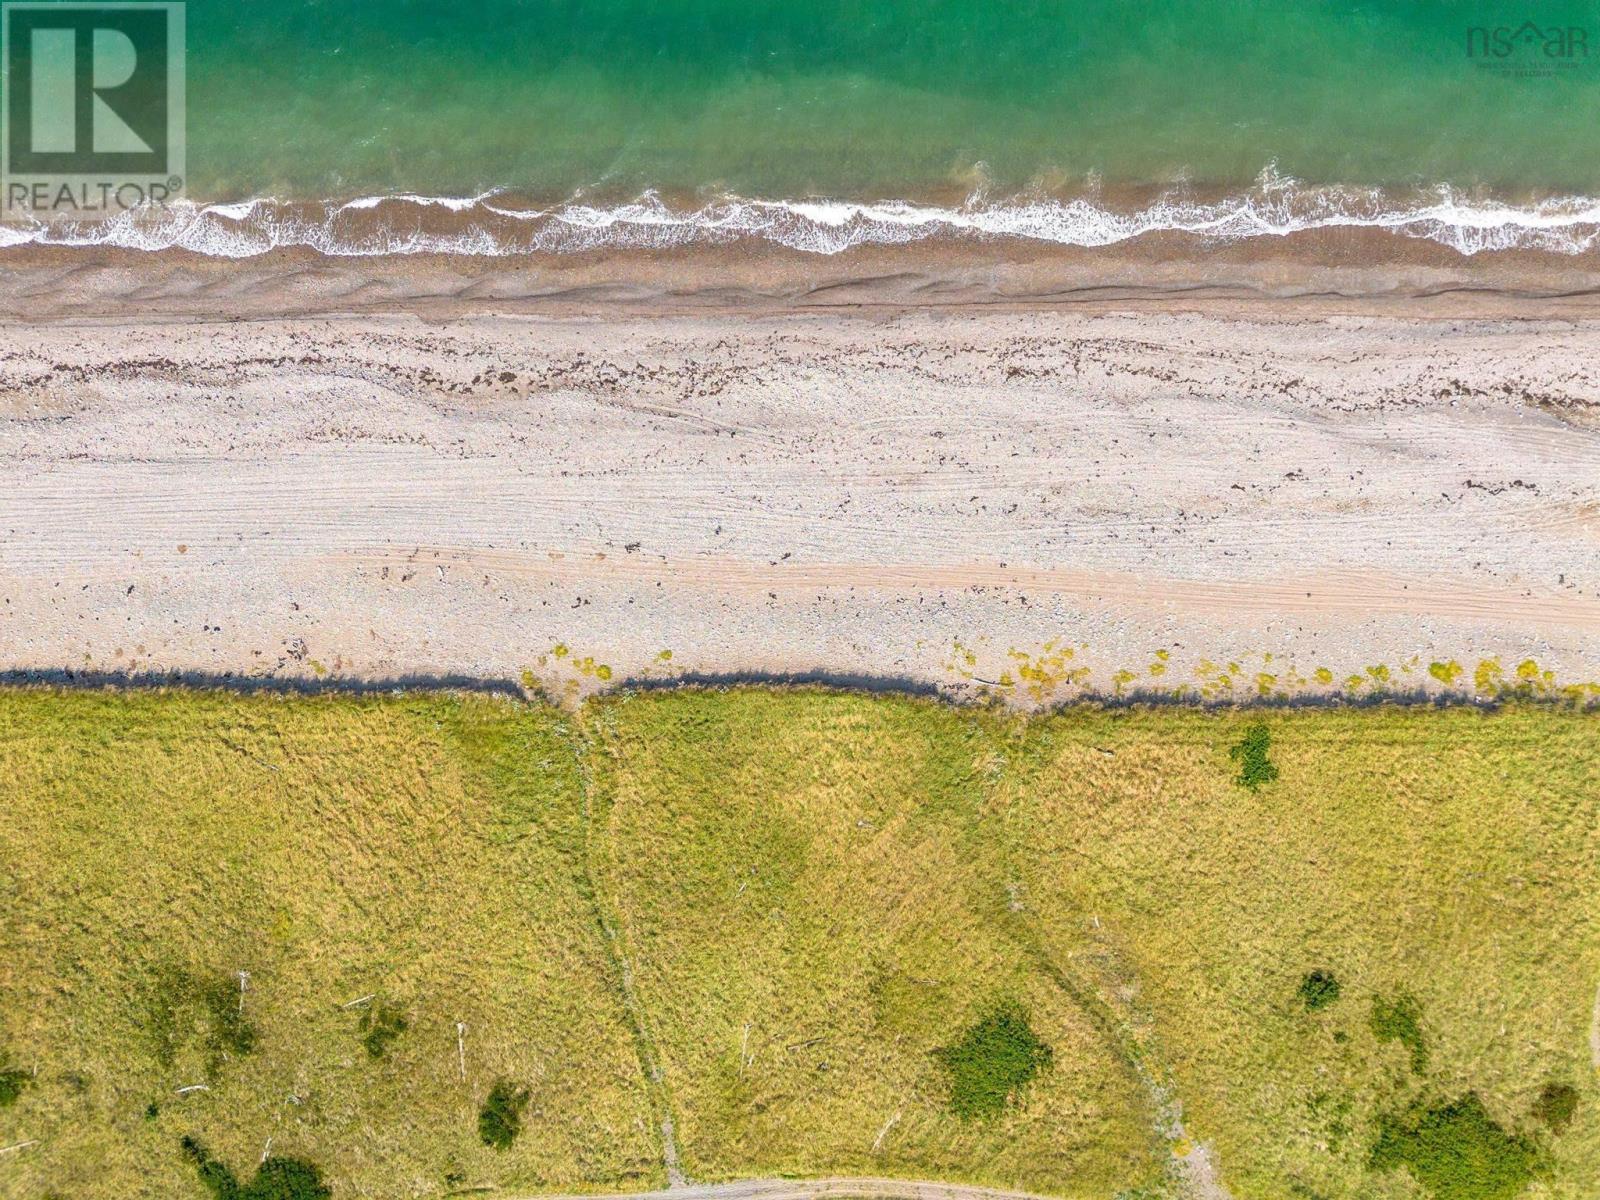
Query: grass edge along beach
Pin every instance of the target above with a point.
(379, 946)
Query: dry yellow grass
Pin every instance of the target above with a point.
(420, 849)
(1453, 856)
(779, 859)
(808, 893)
(815, 893)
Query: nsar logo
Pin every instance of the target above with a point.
(1528, 49)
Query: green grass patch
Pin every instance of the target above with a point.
(203, 1010)
(1456, 1152)
(992, 1063)
(12, 1081)
(1399, 1019)
(1250, 752)
(1556, 1105)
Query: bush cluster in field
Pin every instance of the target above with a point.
(1318, 990)
(500, 1119)
(1456, 1151)
(992, 1063)
(275, 1178)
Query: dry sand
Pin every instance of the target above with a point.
(1224, 489)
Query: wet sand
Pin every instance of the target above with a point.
(1321, 270)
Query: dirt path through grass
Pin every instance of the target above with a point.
(832, 1188)
(644, 1046)
(1196, 1166)
(1594, 1031)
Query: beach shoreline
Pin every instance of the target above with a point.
(1321, 270)
(370, 470)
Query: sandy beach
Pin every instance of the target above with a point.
(1046, 477)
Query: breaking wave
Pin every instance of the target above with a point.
(496, 224)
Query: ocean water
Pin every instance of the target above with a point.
(515, 125)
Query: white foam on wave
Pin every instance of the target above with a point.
(492, 225)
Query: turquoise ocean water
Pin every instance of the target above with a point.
(561, 123)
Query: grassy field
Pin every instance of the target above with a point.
(420, 851)
(814, 908)
(1352, 954)
(1440, 868)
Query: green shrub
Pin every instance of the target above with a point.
(1556, 1106)
(380, 1025)
(275, 1178)
(286, 1179)
(1318, 990)
(1400, 1020)
(992, 1062)
(1456, 1152)
(1255, 768)
(12, 1081)
(500, 1119)
(215, 1176)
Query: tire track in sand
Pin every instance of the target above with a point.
(1331, 593)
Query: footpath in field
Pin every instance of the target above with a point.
(435, 943)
